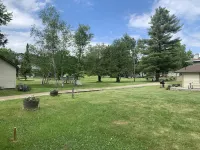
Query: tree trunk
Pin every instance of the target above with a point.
(157, 75)
(99, 78)
(118, 79)
(47, 80)
(25, 77)
(43, 78)
(54, 68)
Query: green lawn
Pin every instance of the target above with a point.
(88, 82)
(147, 118)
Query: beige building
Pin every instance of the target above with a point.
(191, 74)
(7, 73)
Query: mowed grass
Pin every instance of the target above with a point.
(147, 118)
(88, 82)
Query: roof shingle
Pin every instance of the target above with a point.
(191, 68)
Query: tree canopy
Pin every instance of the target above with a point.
(5, 18)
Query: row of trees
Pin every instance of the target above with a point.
(58, 50)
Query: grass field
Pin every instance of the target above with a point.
(88, 82)
(147, 118)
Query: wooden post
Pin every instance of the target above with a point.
(73, 93)
(15, 134)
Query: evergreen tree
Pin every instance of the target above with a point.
(160, 57)
(26, 64)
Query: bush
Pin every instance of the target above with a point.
(31, 102)
(54, 93)
(168, 87)
(166, 79)
(23, 87)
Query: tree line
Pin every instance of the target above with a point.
(58, 50)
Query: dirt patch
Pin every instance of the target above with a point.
(120, 122)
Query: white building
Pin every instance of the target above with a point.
(7, 73)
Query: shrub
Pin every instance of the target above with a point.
(31, 102)
(166, 79)
(23, 87)
(168, 87)
(54, 93)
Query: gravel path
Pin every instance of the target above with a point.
(5, 98)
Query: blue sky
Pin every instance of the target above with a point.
(108, 19)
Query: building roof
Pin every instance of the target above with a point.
(8, 61)
(191, 68)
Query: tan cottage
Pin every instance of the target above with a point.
(7, 73)
(191, 74)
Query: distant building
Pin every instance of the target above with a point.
(7, 73)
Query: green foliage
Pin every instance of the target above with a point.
(182, 55)
(32, 99)
(26, 63)
(161, 54)
(168, 87)
(5, 18)
(94, 61)
(51, 43)
(82, 38)
(23, 87)
(54, 93)
(10, 55)
(119, 57)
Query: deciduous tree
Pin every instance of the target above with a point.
(82, 38)
(5, 18)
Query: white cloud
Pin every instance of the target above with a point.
(139, 21)
(186, 9)
(24, 16)
(190, 39)
(85, 2)
(24, 12)
(18, 40)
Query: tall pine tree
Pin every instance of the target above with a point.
(26, 64)
(161, 54)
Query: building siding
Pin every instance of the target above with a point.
(7, 75)
(190, 78)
